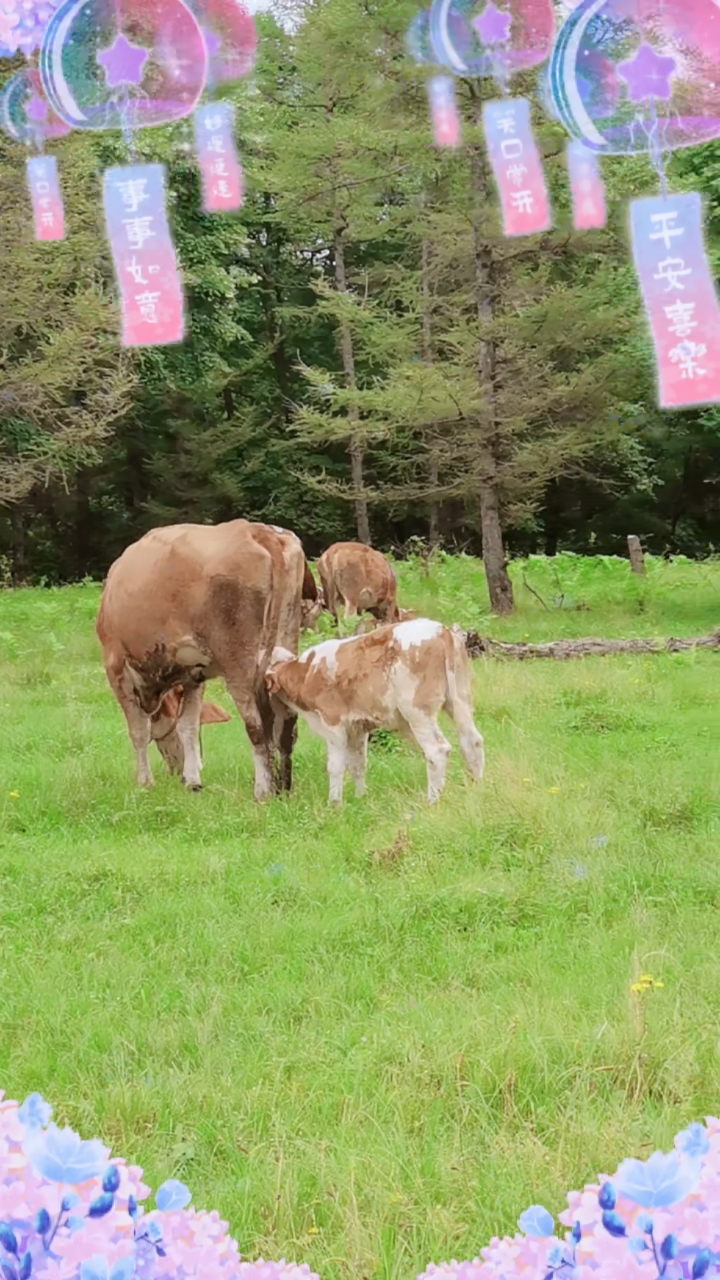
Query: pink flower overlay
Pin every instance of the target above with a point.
(67, 1212)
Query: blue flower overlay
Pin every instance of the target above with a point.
(173, 1195)
(97, 1269)
(659, 1182)
(35, 1112)
(536, 1222)
(61, 1155)
(693, 1142)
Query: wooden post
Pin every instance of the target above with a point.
(637, 557)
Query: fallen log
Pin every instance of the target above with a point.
(483, 647)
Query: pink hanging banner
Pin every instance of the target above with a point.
(144, 256)
(47, 204)
(443, 111)
(220, 169)
(587, 187)
(679, 296)
(517, 166)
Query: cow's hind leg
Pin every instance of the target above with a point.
(285, 737)
(356, 759)
(436, 749)
(188, 731)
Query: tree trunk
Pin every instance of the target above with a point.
(590, 647)
(433, 462)
(19, 558)
(356, 449)
(498, 579)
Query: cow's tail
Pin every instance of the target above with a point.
(459, 701)
(457, 672)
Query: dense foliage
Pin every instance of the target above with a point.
(332, 380)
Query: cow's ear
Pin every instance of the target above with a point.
(211, 714)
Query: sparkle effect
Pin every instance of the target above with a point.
(648, 75)
(123, 62)
(492, 25)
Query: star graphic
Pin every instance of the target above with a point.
(123, 62)
(213, 42)
(492, 25)
(36, 109)
(648, 74)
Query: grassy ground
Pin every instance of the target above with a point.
(371, 1038)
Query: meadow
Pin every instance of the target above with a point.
(371, 1037)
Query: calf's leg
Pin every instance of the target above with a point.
(356, 759)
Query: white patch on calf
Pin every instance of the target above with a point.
(415, 632)
(325, 652)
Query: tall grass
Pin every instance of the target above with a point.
(372, 1037)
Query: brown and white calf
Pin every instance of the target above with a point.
(398, 677)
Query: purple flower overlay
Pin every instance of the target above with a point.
(492, 25)
(35, 1112)
(66, 1213)
(61, 1155)
(123, 62)
(537, 1222)
(658, 1182)
(648, 74)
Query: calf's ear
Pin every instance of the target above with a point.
(272, 683)
(211, 714)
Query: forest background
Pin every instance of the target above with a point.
(366, 356)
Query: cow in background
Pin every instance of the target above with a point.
(187, 603)
(360, 579)
(398, 677)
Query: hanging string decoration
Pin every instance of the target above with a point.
(26, 117)
(586, 186)
(633, 76)
(231, 43)
(444, 114)
(496, 42)
(130, 64)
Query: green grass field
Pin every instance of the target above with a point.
(372, 1037)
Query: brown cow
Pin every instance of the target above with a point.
(359, 578)
(398, 677)
(187, 603)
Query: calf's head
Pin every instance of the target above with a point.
(171, 706)
(279, 661)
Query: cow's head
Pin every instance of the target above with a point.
(310, 611)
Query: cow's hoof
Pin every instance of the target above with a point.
(193, 786)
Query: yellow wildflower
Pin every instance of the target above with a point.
(554, 791)
(313, 1231)
(14, 795)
